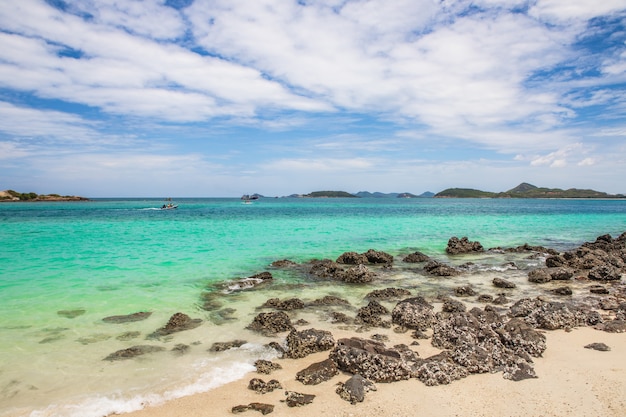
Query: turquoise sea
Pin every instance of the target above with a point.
(65, 266)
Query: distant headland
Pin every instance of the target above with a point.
(524, 190)
(10, 195)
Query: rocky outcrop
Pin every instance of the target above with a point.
(318, 372)
(413, 313)
(271, 323)
(371, 315)
(133, 352)
(142, 315)
(388, 293)
(458, 246)
(503, 283)
(266, 367)
(416, 257)
(441, 270)
(286, 305)
(354, 389)
(370, 359)
(297, 399)
(260, 407)
(332, 270)
(550, 315)
(177, 323)
(305, 342)
(262, 387)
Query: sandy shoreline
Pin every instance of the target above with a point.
(572, 381)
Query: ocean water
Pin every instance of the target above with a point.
(66, 266)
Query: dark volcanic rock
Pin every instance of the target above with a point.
(305, 342)
(438, 269)
(286, 305)
(539, 276)
(605, 273)
(464, 291)
(271, 323)
(352, 258)
(283, 263)
(565, 291)
(613, 326)
(266, 367)
(388, 293)
(223, 346)
(296, 399)
(503, 283)
(262, 387)
(416, 257)
(359, 274)
(177, 323)
(458, 246)
(598, 289)
(598, 346)
(370, 359)
(378, 257)
(260, 407)
(517, 334)
(127, 318)
(371, 315)
(354, 389)
(329, 300)
(552, 315)
(133, 352)
(413, 313)
(318, 372)
(71, 314)
(452, 306)
(326, 268)
(440, 369)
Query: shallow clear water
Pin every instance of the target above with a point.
(90, 260)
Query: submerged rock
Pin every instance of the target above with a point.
(223, 346)
(133, 352)
(416, 257)
(128, 318)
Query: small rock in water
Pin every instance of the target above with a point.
(70, 314)
(598, 346)
(142, 315)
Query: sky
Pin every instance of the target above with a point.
(219, 98)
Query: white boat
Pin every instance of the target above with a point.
(169, 205)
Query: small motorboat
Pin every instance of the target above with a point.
(169, 206)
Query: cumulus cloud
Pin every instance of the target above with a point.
(356, 78)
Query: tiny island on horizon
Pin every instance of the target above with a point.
(523, 190)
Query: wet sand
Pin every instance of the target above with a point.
(572, 381)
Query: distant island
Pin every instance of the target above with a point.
(10, 195)
(525, 190)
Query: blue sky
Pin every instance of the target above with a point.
(189, 98)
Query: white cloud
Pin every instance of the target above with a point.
(563, 10)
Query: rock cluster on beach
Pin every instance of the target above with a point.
(473, 333)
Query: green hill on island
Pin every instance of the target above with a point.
(10, 195)
(329, 194)
(525, 190)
